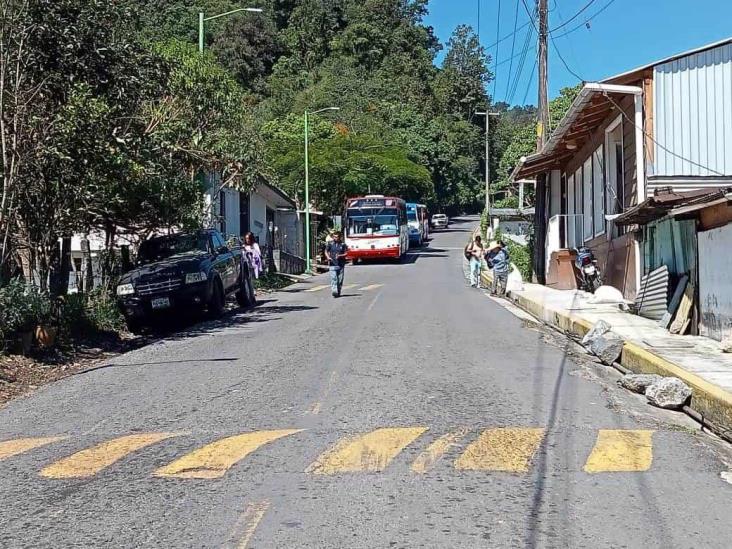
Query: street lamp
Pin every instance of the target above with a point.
(308, 269)
(487, 158)
(202, 20)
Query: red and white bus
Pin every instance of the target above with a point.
(375, 226)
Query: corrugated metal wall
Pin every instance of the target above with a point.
(715, 282)
(693, 114)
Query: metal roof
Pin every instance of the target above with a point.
(591, 106)
(699, 49)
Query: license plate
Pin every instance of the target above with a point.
(161, 303)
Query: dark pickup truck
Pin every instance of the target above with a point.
(184, 271)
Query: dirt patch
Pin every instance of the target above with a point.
(21, 375)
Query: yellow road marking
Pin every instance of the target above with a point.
(92, 460)
(621, 450)
(318, 288)
(318, 404)
(434, 452)
(250, 520)
(213, 460)
(501, 450)
(9, 448)
(370, 452)
(370, 287)
(349, 286)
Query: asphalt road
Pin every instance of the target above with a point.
(411, 412)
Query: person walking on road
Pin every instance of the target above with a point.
(335, 252)
(474, 252)
(498, 260)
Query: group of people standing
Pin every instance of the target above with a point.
(496, 256)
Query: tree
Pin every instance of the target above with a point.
(461, 85)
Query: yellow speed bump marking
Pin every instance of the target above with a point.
(9, 448)
(370, 287)
(250, 520)
(89, 462)
(318, 288)
(621, 451)
(370, 452)
(501, 450)
(434, 452)
(213, 460)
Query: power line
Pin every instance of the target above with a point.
(513, 45)
(531, 79)
(575, 16)
(504, 38)
(498, 33)
(520, 66)
(531, 17)
(590, 18)
(564, 62)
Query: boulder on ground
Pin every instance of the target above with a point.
(598, 329)
(607, 347)
(638, 382)
(668, 392)
(607, 294)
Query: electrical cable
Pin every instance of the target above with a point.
(513, 45)
(531, 79)
(498, 33)
(575, 16)
(590, 18)
(520, 66)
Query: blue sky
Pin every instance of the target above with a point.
(627, 34)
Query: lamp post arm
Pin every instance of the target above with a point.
(211, 18)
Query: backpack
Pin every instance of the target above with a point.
(468, 254)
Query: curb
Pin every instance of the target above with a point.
(710, 401)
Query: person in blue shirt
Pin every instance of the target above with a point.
(336, 252)
(498, 259)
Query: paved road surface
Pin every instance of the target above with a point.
(412, 412)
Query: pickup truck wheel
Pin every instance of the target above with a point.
(134, 326)
(217, 303)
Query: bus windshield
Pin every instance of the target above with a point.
(373, 221)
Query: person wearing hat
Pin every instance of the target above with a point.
(335, 252)
(498, 260)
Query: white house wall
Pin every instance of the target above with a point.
(692, 116)
(258, 217)
(715, 282)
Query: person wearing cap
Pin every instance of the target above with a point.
(335, 252)
(498, 260)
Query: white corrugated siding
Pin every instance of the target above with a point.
(693, 114)
(715, 283)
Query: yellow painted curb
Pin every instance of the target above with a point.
(708, 399)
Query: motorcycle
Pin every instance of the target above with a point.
(586, 264)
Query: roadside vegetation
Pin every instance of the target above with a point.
(110, 119)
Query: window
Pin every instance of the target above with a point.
(598, 191)
(587, 199)
(222, 210)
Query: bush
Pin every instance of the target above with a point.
(22, 307)
(521, 256)
(102, 312)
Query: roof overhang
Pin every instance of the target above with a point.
(593, 104)
(672, 203)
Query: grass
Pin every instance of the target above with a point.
(271, 282)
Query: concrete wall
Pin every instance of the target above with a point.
(258, 217)
(715, 282)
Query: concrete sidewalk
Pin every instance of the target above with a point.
(698, 361)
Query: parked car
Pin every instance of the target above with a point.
(440, 221)
(195, 270)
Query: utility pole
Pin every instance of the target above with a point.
(543, 125)
(542, 129)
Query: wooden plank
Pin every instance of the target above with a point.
(687, 302)
(674, 303)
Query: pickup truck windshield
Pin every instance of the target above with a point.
(168, 246)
